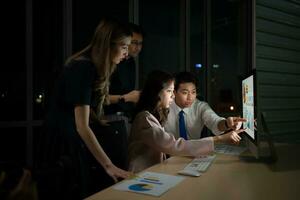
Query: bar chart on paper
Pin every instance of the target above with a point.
(150, 183)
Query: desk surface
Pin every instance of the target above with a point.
(227, 178)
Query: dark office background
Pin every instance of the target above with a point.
(212, 38)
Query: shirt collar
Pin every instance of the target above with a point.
(178, 109)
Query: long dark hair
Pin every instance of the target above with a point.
(149, 99)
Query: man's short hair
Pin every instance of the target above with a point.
(184, 77)
(134, 28)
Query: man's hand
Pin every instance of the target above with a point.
(132, 96)
(235, 123)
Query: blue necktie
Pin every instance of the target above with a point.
(182, 129)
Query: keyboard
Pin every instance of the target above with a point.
(197, 166)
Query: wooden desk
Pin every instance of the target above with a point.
(227, 178)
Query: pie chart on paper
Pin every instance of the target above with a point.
(140, 187)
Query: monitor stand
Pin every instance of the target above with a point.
(264, 150)
(272, 154)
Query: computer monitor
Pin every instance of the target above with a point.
(248, 106)
(262, 150)
(249, 112)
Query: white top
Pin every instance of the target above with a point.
(196, 116)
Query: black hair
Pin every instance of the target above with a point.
(134, 28)
(184, 77)
(149, 98)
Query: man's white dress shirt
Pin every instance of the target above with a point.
(196, 117)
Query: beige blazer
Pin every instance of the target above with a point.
(148, 142)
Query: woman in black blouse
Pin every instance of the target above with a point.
(79, 96)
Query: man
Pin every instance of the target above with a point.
(196, 114)
(123, 94)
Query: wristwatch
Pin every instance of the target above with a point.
(121, 99)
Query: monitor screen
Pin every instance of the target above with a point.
(248, 105)
(250, 110)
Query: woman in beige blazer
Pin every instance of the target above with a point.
(149, 142)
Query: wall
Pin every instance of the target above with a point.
(278, 66)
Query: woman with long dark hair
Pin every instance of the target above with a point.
(148, 141)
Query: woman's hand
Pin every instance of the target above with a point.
(116, 172)
(230, 137)
(233, 136)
